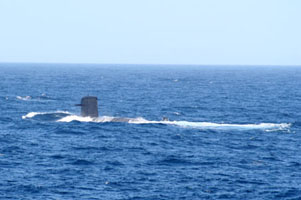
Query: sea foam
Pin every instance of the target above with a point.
(184, 124)
(33, 114)
(25, 98)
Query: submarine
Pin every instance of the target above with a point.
(89, 108)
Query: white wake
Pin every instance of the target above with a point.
(185, 124)
(33, 114)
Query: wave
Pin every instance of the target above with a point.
(25, 98)
(42, 97)
(64, 116)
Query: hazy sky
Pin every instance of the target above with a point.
(151, 31)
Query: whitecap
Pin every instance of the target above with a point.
(26, 98)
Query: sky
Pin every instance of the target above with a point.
(200, 32)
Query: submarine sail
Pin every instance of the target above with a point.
(89, 107)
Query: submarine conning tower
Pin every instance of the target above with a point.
(89, 106)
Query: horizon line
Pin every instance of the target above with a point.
(154, 64)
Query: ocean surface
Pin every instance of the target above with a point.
(234, 132)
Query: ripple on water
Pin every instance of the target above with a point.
(237, 138)
(82, 162)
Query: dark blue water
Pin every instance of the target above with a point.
(233, 132)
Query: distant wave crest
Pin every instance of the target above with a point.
(64, 116)
(42, 97)
(25, 98)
